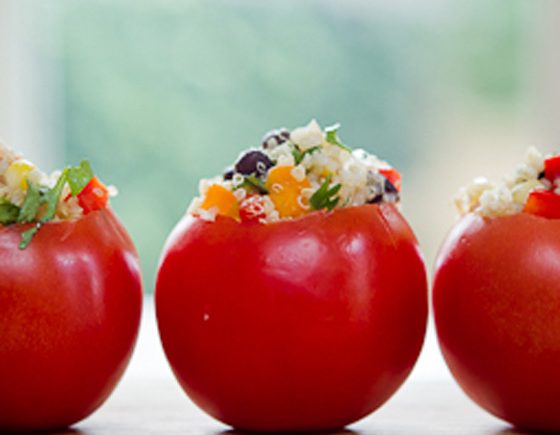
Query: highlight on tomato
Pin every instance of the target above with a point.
(496, 295)
(293, 295)
(70, 295)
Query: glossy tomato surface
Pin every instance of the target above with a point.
(309, 324)
(69, 314)
(497, 310)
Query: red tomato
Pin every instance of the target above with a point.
(69, 314)
(497, 310)
(307, 324)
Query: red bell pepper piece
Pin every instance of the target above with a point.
(393, 176)
(252, 209)
(94, 196)
(552, 168)
(543, 203)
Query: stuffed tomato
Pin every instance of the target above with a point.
(70, 295)
(497, 295)
(293, 296)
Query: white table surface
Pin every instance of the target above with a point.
(149, 401)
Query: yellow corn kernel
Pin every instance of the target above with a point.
(17, 173)
(285, 191)
(223, 199)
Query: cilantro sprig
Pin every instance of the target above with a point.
(8, 212)
(332, 137)
(40, 203)
(299, 155)
(255, 183)
(325, 196)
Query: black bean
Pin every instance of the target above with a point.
(390, 187)
(274, 138)
(253, 162)
(376, 199)
(541, 175)
(229, 173)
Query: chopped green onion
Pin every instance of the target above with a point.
(78, 177)
(332, 137)
(256, 183)
(36, 197)
(27, 236)
(325, 196)
(31, 204)
(299, 155)
(8, 212)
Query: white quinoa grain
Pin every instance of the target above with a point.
(357, 173)
(509, 195)
(298, 172)
(240, 194)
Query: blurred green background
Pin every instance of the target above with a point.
(160, 94)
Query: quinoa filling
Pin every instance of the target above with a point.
(294, 173)
(534, 187)
(29, 196)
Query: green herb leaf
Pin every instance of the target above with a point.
(35, 198)
(27, 236)
(332, 137)
(256, 183)
(52, 196)
(78, 177)
(325, 196)
(298, 155)
(31, 204)
(8, 212)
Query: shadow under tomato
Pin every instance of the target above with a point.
(515, 431)
(336, 432)
(51, 432)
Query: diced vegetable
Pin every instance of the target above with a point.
(252, 209)
(552, 168)
(40, 201)
(94, 196)
(17, 173)
(300, 155)
(8, 212)
(79, 177)
(30, 208)
(296, 173)
(223, 200)
(285, 191)
(325, 196)
(255, 184)
(543, 203)
(393, 176)
(331, 133)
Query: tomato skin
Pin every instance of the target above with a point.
(496, 302)
(308, 324)
(70, 307)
